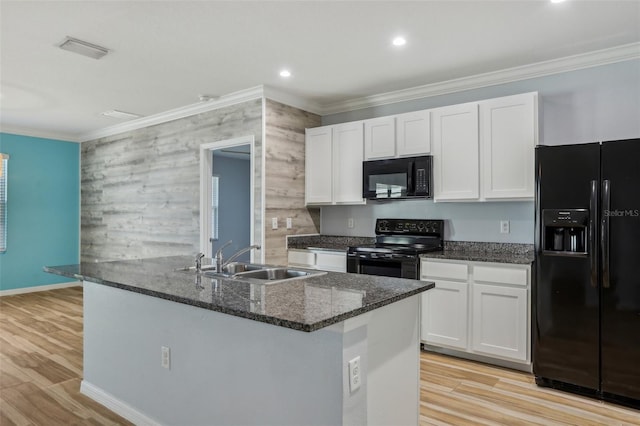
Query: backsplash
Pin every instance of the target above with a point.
(463, 221)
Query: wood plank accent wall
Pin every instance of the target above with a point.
(140, 190)
(284, 177)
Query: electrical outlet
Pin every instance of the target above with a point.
(504, 226)
(274, 223)
(166, 357)
(350, 223)
(289, 223)
(355, 374)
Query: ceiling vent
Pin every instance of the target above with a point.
(83, 48)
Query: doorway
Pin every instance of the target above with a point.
(227, 188)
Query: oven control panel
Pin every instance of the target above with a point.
(410, 226)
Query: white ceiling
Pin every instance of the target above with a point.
(166, 53)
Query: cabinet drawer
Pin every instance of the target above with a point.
(501, 275)
(336, 262)
(454, 271)
(302, 257)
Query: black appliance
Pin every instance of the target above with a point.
(586, 324)
(399, 243)
(397, 178)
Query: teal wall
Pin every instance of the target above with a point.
(43, 209)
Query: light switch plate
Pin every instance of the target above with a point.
(274, 223)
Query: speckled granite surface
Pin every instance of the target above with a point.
(485, 252)
(454, 250)
(327, 242)
(302, 304)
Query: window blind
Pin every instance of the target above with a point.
(4, 166)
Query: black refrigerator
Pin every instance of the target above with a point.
(586, 296)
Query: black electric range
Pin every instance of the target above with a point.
(399, 243)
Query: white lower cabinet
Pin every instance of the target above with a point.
(324, 260)
(478, 308)
(499, 328)
(438, 326)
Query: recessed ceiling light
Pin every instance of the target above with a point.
(84, 48)
(285, 73)
(557, 1)
(114, 113)
(399, 41)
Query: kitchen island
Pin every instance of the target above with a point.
(245, 352)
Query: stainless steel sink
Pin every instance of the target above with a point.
(253, 272)
(234, 268)
(274, 274)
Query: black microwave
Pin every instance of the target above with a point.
(397, 178)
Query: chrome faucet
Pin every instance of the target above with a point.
(220, 263)
(240, 252)
(199, 257)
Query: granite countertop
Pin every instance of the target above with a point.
(307, 304)
(485, 252)
(326, 242)
(454, 250)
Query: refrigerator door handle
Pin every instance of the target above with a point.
(593, 246)
(604, 235)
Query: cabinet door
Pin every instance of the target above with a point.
(413, 133)
(328, 261)
(303, 258)
(379, 138)
(499, 321)
(456, 153)
(509, 135)
(347, 163)
(318, 158)
(445, 314)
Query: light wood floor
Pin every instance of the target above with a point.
(41, 370)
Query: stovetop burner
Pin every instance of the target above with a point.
(404, 237)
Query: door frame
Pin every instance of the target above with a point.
(206, 171)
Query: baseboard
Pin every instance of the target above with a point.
(526, 367)
(115, 405)
(39, 288)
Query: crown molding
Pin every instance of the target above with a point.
(240, 96)
(44, 134)
(570, 63)
(539, 69)
(292, 100)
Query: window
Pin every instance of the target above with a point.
(214, 208)
(4, 165)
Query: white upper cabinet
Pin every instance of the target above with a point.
(379, 138)
(404, 135)
(455, 152)
(482, 151)
(318, 172)
(333, 166)
(347, 163)
(413, 133)
(485, 150)
(508, 138)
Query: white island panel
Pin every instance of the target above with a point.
(231, 370)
